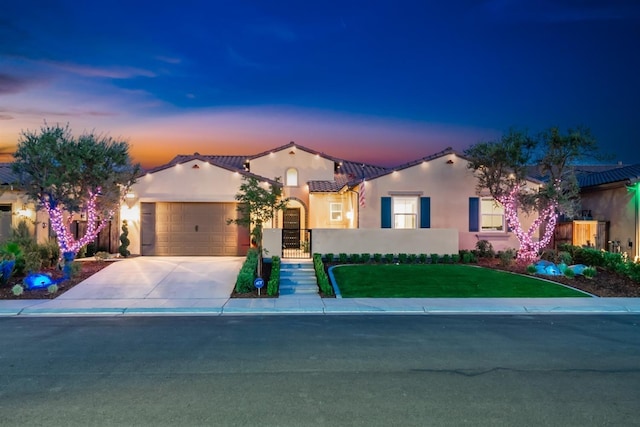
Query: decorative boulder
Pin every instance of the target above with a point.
(578, 268)
(37, 281)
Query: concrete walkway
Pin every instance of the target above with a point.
(202, 285)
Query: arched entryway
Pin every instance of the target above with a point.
(296, 238)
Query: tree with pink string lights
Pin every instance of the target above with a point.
(68, 176)
(502, 166)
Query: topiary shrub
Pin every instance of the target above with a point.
(377, 258)
(354, 258)
(123, 249)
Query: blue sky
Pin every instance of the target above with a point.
(379, 81)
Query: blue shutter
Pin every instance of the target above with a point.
(425, 212)
(474, 214)
(385, 212)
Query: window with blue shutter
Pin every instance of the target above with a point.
(474, 214)
(425, 212)
(385, 212)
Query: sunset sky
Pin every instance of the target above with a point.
(383, 82)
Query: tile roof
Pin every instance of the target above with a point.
(630, 174)
(6, 174)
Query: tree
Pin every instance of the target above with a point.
(66, 175)
(258, 205)
(501, 168)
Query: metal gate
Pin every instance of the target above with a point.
(296, 243)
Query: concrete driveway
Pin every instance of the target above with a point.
(156, 282)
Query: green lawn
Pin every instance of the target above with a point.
(441, 281)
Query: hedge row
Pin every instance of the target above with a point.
(321, 275)
(273, 286)
(247, 274)
(401, 258)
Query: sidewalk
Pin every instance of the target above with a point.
(316, 306)
(201, 286)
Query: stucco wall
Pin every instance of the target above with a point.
(449, 185)
(427, 241)
(617, 206)
(179, 183)
(311, 167)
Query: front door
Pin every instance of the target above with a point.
(291, 228)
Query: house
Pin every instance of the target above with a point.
(611, 197)
(426, 206)
(15, 206)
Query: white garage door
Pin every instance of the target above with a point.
(187, 229)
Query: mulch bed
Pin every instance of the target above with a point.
(88, 269)
(604, 284)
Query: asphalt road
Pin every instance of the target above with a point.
(320, 371)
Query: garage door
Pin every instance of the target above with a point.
(187, 229)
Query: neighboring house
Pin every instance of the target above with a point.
(182, 207)
(14, 205)
(612, 196)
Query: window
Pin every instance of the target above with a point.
(405, 212)
(491, 215)
(291, 177)
(335, 211)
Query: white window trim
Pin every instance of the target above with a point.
(394, 214)
(482, 215)
(332, 210)
(286, 177)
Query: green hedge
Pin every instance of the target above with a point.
(247, 274)
(273, 286)
(321, 275)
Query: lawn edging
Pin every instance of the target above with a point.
(332, 280)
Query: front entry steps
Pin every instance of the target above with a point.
(297, 278)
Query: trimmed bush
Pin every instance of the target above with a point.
(244, 282)
(377, 258)
(365, 258)
(466, 257)
(434, 258)
(355, 258)
(569, 273)
(422, 258)
(329, 257)
(402, 258)
(446, 259)
(343, 258)
(412, 258)
(389, 258)
(532, 269)
(321, 275)
(273, 286)
(455, 258)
